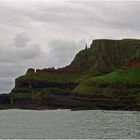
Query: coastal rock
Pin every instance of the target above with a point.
(79, 84)
(30, 71)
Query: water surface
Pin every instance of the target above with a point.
(69, 124)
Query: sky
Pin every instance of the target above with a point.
(42, 33)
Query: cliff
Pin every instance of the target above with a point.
(105, 55)
(104, 76)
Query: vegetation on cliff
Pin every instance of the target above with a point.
(127, 78)
(103, 76)
(105, 56)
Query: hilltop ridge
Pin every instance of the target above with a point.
(105, 55)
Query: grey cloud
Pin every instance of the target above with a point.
(32, 52)
(111, 15)
(20, 49)
(9, 16)
(12, 16)
(79, 16)
(10, 70)
(21, 40)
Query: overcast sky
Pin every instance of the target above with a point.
(43, 33)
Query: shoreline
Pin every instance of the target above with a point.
(43, 107)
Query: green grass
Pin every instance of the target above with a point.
(20, 95)
(131, 75)
(84, 88)
(122, 76)
(50, 77)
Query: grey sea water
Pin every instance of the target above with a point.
(64, 124)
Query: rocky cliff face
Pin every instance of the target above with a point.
(104, 56)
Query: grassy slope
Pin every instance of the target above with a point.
(122, 76)
(131, 75)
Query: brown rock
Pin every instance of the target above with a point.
(30, 71)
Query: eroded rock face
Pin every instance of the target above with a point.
(54, 71)
(133, 63)
(4, 99)
(30, 71)
(44, 84)
(104, 56)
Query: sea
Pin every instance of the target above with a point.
(67, 124)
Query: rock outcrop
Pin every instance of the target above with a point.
(104, 56)
(30, 71)
(133, 63)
